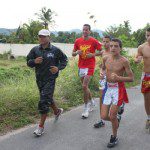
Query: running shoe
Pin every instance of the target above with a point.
(99, 124)
(113, 141)
(39, 131)
(60, 111)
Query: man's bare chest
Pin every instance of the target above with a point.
(114, 66)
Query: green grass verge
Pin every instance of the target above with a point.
(19, 94)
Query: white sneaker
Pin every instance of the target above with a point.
(60, 111)
(91, 105)
(39, 131)
(85, 113)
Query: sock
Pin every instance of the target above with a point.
(86, 106)
(92, 102)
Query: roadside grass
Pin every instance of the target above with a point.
(19, 94)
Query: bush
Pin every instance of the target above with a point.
(19, 93)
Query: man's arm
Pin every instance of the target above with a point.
(76, 52)
(103, 68)
(31, 59)
(63, 60)
(128, 71)
(139, 55)
(98, 52)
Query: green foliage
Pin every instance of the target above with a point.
(28, 32)
(19, 93)
(127, 41)
(46, 16)
(5, 55)
(140, 35)
(122, 29)
(123, 32)
(137, 71)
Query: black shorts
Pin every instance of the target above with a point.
(46, 90)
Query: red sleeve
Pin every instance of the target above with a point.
(98, 45)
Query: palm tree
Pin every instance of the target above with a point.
(46, 16)
(92, 17)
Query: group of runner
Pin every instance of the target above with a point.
(115, 70)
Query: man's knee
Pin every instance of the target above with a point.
(104, 116)
(43, 107)
(85, 87)
(113, 117)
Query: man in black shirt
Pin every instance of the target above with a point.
(47, 61)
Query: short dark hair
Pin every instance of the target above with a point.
(107, 36)
(117, 40)
(88, 26)
(148, 29)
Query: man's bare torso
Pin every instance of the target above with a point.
(105, 53)
(145, 50)
(114, 66)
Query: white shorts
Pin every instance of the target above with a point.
(114, 93)
(102, 83)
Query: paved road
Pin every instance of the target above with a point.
(73, 133)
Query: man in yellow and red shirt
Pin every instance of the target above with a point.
(86, 47)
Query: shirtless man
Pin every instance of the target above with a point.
(106, 44)
(105, 52)
(114, 66)
(144, 53)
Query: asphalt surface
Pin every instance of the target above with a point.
(73, 133)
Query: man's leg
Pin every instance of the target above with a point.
(147, 103)
(105, 112)
(147, 108)
(101, 123)
(57, 111)
(113, 119)
(86, 93)
(115, 124)
(42, 120)
(120, 111)
(54, 107)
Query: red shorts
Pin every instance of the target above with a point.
(114, 93)
(91, 71)
(145, 85)
(86, 71)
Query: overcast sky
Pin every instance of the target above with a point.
(72, 14)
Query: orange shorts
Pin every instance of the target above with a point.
(145, 85)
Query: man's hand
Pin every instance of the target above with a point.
(38, 60)
(54, 69)
(79, 52)
(90, 55)
(115, 77)
(138, 59)
(101, 76)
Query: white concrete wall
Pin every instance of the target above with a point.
(131, 51)
(23, 49)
